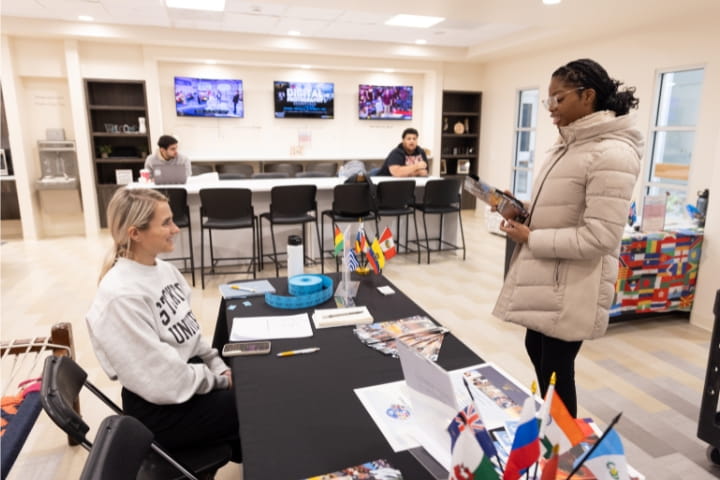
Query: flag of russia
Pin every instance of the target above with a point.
(526, 446)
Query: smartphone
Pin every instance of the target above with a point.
(246, 348)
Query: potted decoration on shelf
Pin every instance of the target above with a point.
(105, 151)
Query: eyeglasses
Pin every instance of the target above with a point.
(553, 101)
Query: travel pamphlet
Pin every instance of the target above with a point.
(376, 470)
(508, 206)
(418, 331)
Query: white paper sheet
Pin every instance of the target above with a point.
(391, 411)
(270, 327)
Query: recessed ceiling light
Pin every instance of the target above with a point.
(211, 62)
(414, 21)
(209, 5)
(85, 18)
(551, 2)
(421, 41)
(306, 67)
(389, 70)
(294, 33)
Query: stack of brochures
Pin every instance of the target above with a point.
(418, 332)
(340, 317)
(375, 470)
(506, 205)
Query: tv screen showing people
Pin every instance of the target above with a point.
(202, 97)
(304, 99)
(377, 102)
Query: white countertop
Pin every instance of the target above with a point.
(199, 158)
(196, 183)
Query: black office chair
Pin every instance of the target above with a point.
(177, 198)
(290, 168)
(226, 209)
(352, 202)
(121, 446)
(396, 199)
(242, 168)
(198, 168)
(289, 205)
(62, 381)
(309, 174)
(270, 175)
(441, 197)
(232, 176)
(328, 169)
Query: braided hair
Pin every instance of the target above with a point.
(587, 73)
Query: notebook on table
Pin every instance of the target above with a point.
(169, 174)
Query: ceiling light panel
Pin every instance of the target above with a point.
(413, 21)
(207, 5)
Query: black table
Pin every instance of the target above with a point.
(298, 415)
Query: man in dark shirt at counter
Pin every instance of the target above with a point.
(167, 154)
(407, 159)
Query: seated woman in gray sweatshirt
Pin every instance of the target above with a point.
(145, 334)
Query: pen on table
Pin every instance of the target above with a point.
(245, 289)
(342, 314)
(302, 351)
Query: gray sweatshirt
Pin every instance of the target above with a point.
(156, 159)
(143, 332)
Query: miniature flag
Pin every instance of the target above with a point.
(387, 244)
(352, 261)
(378, 253)
(371, 258)
(360, 240)
(339, 241)
(469, 418)
(469, 456)
(526, 447)
(557, 426)
(549, 471)
(608, 461)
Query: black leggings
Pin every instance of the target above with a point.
(550, 355)
(201, 421)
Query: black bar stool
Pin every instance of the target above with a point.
(352, 202)
(396, 199)
(177, 197)
(441, 197)
(289, 205)
(226, 209)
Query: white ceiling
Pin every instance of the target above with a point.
(480, 28)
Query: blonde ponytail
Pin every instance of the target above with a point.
(128, 208)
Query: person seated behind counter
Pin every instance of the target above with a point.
(407, 159)
(146, 336)
(167, 154)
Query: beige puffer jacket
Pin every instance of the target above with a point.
(561, 283)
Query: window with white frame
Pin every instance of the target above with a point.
(672, 138)
(525, 143)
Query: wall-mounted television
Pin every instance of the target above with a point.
(204, 97)
(304, 99)
(380, 102)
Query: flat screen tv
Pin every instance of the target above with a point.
(204, 97)
(304, 99)
(378, 102)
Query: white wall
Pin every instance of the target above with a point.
(634, 59)
(260, 134)
(32, 58)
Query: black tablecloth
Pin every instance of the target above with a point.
(299, 415)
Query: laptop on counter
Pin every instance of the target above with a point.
(169, 174)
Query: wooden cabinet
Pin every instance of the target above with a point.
(460, 125)
(119, 138)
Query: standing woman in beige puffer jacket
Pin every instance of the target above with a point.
(562, 274)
